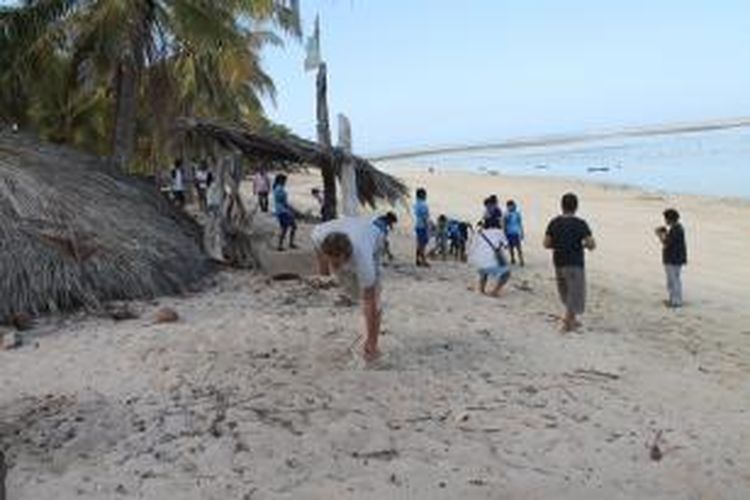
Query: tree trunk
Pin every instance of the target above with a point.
(328, 211)
(126, 94)
(126, 106)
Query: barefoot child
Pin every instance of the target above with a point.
(284, 212)
(568, 235)
(514, 231)
(421, 226)
(674, 255)
(352, 245)
(486, 254)
(441, 238)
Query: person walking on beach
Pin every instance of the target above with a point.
(568, 236)
(261, 188)
(513, 225)
(674, 255)
(422, 226)
(178, 183)
(352, 246)
(284, 212)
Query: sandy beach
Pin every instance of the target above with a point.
(258, 391)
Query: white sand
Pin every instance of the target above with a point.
(257, 393)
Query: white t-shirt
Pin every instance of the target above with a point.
(481, 255)
(201, 177)
(367, 242)
(177, 181)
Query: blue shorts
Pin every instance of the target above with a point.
(423, 236)
(500, 273)
(514, 240)
(286, 220)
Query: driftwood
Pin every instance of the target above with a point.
(228, 231)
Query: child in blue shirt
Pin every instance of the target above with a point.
(283, 211)
(422, 226)
(513, 224)
(385, 223)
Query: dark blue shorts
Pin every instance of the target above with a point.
(423, 236)
(286, 220)
(514, 240)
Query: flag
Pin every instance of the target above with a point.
(312, 48)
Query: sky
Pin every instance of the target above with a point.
(418, 73)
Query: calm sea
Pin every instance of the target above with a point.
(715, 163)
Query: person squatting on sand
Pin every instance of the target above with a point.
(421, 226)
(674, 255)
(568, 235)
(487, 255)
(352, 246)
(513, 224)
(385, 223)
(284, 212)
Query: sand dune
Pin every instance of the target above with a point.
(258, 391)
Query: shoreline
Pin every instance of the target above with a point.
(412, 169)
(563, 139)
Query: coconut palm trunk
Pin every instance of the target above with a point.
(126, 107)
(328, 211)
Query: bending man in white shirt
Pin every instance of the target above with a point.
(352, 245)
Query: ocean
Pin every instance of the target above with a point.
(714, 163)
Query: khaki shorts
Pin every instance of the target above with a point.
(349, 283)
(571, 285)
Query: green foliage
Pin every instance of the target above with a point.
(60, 61)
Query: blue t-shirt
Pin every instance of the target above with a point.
(281, 206)
(382, 224)
(513, 223)
(421, 215)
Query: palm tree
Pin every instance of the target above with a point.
(176, 56)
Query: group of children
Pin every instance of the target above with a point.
(566, 235)
(452, 235)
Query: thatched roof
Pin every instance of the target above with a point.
(75, 233)
(290, 150)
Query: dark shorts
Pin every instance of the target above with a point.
(514, 240)
(286, 221)
(423, 236)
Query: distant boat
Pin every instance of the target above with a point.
(541, 167)
(598, 169)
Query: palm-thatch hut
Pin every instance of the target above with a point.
(229, 235)
(74, 232)
(289, 151)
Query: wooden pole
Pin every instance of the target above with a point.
(328, 211)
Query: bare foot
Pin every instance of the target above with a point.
(370, 355)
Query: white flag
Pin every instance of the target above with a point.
(312, 48)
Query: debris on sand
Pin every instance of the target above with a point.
(655, 452)
(166, 315)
